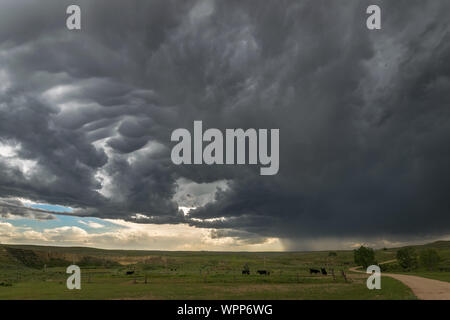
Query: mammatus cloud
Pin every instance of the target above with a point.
(86, 116)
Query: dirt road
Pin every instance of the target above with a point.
(423, 288)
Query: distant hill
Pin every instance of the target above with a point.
(438, 244)
(441, 244)
(68, 251)
(37, 257)
(6, 259)
(81, 250)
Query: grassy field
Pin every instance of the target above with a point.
(189, 288)
(32, 272)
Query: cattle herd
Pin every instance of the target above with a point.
(267, 273)
(262, 272)
(315, 271)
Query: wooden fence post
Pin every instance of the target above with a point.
(344, 275)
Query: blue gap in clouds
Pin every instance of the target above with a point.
(50, 207)
(61, 220)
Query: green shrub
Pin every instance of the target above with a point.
(364, 257)
(407, 258)
(429, 259)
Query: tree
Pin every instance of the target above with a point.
(364, 257)
(429, 258)
(332, 254)
(407, 258)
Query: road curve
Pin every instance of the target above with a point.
(423, 288)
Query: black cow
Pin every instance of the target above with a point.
(315, 271)
(263, 272)
(130, 273)
(324, 272)
(246, 272)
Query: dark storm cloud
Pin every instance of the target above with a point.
(363, 115)
(10, 207)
